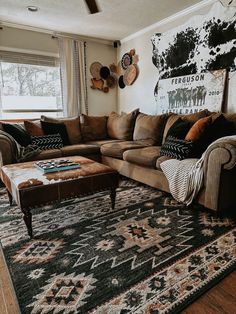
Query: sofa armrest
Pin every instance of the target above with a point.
(7, 149)
(220, 158)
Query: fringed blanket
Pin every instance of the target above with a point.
(185, 177)
(21, 153)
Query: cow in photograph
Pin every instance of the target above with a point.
(187, 97)
(171, 98)
(201, 95)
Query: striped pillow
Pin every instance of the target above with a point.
(176, 148)
(52, 141)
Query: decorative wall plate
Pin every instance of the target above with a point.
(104, 72)
(111, 81)
(104, 77)
(132, 52)
(113, 67)
(135, 59)
(126, 61)
(95, 68)
(128, 70)
(130, 74)
(121, 82)
(97, 84)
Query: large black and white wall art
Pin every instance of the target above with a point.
(203, 43)
(191, 93)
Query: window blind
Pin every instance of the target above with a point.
(25, 58)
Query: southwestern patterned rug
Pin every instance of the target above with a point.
(149, 255)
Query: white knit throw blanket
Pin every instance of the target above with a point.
(185, 177)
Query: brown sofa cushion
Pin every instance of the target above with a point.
(192, 118)
(72, 127)
(48, 154)
(143, 156)
(93, 128)
(102, 142)
(116, 150)
(160, 160)
(149, 127)
(34, 128)
(198, 129)
(121, 126)
(80, 149)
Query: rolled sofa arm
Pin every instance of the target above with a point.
(7, 149)
(220, 175)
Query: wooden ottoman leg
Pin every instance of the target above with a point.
(10, 197)
(113, 197)
(28, 221)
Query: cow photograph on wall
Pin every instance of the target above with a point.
(204, 44)
(192, 93)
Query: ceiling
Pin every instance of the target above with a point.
(117, 19)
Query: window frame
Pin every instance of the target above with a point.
(28, 58)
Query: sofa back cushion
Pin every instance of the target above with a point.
(72, 127)
(56, 128)
(18, 132)
(93, 128)
(231, 117)
(149, 127)
(121, 126)
(219, 127)
(179, 129)
(34, 128)
(192, 118)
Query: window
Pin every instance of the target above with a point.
(30, 85)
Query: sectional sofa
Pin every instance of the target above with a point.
(131, 143)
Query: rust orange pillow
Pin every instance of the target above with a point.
(34, 128)
(198, 129)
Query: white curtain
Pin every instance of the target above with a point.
(73, 73)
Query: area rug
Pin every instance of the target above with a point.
(149, 255)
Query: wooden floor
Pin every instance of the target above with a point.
(8, 303)
(221, 299)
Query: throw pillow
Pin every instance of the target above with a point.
(72, 127)
(232, 118)
(197, 130)
(121, 126)
(93, 128)
(34, 128)
(149, 127)
(18, 133)
(53, 141)
(220, 127)
(192, 118)
(176, 148)
(179, 129)
(56, 128)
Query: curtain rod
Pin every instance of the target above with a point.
(83, 38)
(55, 34)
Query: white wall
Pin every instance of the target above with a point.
(141, 93)
(33, 42)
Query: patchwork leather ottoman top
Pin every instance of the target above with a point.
(31, 187)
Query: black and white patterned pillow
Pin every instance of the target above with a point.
(176, 148)
(52, 141)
